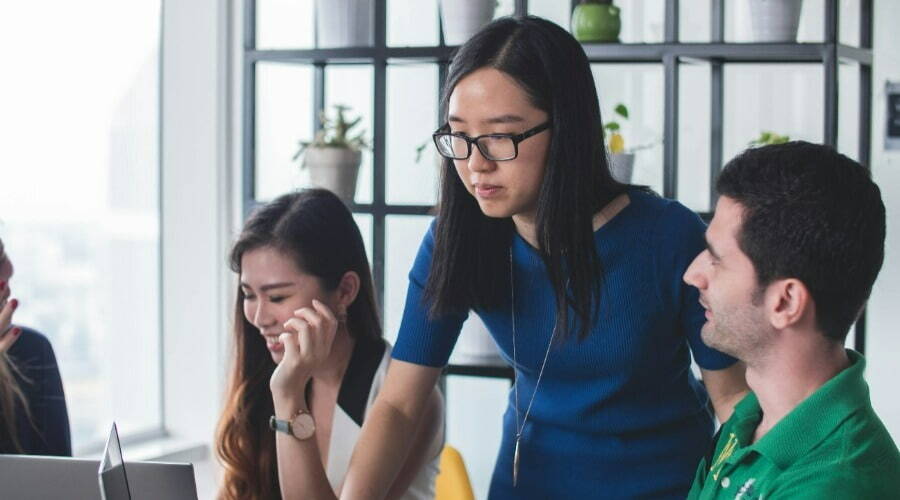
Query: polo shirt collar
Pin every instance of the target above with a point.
(815, 418)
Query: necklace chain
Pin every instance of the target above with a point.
(521, 427)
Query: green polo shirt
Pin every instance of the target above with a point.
(832, 445)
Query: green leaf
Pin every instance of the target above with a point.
(612, 126)
(622, 111)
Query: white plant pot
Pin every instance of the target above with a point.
(775, 20)
(463, 18)
(475, 344)
(344, 23)
(621, 165)
(334, 169)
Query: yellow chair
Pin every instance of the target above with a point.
(452, 482)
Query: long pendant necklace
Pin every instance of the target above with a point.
(520, 428)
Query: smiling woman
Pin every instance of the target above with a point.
(309, 357)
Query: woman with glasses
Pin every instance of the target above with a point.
(578, 278)
(309, 358)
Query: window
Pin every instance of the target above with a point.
(79, 200)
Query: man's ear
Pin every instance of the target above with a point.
(788, 302)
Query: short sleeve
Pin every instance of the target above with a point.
(423, 339)
(681, 234)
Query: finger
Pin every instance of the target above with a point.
(289, 341)
(315, 320)
(325, 311)
(303, 334)
(326, 327)
(322, 332)
(10, 338)
(295, 325)
(6, 314)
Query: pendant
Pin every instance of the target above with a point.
(516, 464)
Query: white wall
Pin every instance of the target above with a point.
(196, 220)
(883, 335)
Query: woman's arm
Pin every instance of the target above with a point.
(431, 426)
(300, 470)
(726, 388)
(306, 345)
(387, 447)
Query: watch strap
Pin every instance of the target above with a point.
(280, 425)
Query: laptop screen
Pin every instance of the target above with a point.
(113, 480)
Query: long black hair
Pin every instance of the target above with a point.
(470, 266)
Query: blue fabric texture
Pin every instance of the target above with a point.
(620, 414)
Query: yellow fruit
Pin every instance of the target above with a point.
(616, 143)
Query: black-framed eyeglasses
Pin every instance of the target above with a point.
(494, 147)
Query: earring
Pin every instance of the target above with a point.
(342, 318)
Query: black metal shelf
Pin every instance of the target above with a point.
(596, 53)
(481, 370)
(671, 55)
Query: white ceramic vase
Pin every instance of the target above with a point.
(621, 165)
(463, 18)
(335, 169)
(344, 23)
(775, 21)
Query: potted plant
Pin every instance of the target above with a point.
(333, 156)
(596, 21)
(460, 19)
(775, 20)
(767, 138)
(344, 23)
(621, 163)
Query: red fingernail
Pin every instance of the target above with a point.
(2, 285)
(14, 303)
(16, 332)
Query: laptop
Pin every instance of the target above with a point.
(112, 476)
(31, 477)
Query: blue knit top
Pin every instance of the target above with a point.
(619, 414)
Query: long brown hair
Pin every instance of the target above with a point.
(11, 398)
(315, 229)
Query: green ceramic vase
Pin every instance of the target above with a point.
(594, 22)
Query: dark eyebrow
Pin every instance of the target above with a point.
(493, 120)
(270, 286)
(711, 250)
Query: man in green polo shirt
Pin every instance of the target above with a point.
(792, 252)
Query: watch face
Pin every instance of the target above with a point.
(303, 426)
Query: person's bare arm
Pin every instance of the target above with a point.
(431, 424)
(389, 434)
(307, 342)
(726, 388)
(300, 471)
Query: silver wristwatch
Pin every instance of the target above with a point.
(301, 426)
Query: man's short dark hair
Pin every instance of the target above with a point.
(812, 214)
